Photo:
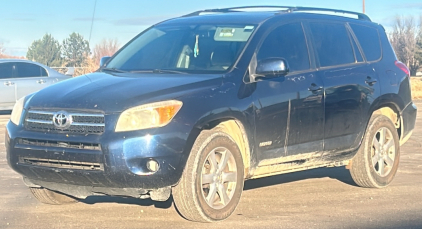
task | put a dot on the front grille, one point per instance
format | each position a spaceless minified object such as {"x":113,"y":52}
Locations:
{"x":61,"y":164}
{"x":81,"y":123}
{"x":60,"y":144}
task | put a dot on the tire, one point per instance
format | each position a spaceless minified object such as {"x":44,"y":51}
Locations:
{"x":377,"y":160}
{"x":50,"y":197}
{"x":213,"y":179}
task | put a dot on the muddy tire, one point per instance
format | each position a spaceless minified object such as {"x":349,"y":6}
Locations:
{"x":212,"y":182}
{"x":377,"y":160}
{"x":50,"y":197}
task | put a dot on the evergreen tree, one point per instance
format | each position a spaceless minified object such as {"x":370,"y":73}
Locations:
{"x":75,"y":50}
{"x":46,"y":51}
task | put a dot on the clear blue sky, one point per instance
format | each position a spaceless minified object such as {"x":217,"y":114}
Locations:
{"x":23,"y":21}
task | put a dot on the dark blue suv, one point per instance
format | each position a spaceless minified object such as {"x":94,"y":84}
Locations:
{"x":195,"y":105}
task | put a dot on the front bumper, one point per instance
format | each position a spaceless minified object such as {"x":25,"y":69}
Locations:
{"x":112,"y":161}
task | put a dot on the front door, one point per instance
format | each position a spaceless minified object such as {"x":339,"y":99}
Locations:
{"x":289,"y":109}
{"x":7,"y":86}
{"x":31,"y":78}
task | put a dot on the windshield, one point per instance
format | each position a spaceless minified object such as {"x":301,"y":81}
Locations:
{"x":184,"y":48}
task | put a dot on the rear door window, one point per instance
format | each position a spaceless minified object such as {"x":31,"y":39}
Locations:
{"x":332,"y":44}
{"x":288,"y":42}
{"x":369,"y":41}
{"x":30,"y":70}
{"x":6,"y":70}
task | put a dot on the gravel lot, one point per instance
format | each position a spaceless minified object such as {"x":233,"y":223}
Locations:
{"x":319,"y":198}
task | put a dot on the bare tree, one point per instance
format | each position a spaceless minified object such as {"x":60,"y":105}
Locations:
{"x":404,"y":39}
{"x":107,"y":47}
{"x":87,"y":66}
{"x":419,"y":43}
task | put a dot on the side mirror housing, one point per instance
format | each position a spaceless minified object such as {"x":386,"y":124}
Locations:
{"x":272,"y":67}
{"x":104,"y":60}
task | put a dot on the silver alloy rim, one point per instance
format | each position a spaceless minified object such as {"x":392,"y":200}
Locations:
{"x":383,"y":152}
{"x":219,"y":178}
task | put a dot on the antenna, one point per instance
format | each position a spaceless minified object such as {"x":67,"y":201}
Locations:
{"x":92,"y":22}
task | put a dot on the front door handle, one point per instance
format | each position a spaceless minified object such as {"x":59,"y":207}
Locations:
{"x":370,"y":81}
{"x":41,"y":81}
{"x":8,"y":83}
{"x":314,"y":88}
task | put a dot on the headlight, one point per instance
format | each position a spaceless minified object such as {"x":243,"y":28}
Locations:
{"x":148,"y":116}
{"x":17,"y":111}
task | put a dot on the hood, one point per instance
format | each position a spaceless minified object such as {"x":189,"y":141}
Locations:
{"x":116,"y":92}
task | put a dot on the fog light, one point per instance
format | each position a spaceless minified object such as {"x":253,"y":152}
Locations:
{"x":153,"y":166}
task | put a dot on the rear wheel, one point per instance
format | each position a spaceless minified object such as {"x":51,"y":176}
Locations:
{"x":212,"y":181}
{"x":51,"y":197}
{"x":377,"y":160}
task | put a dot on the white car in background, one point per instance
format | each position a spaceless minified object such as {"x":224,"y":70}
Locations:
{"x":19,"y":78}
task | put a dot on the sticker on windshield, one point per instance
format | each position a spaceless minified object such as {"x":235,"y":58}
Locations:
{"x":227,"y":32}
{"x":241,"y":34}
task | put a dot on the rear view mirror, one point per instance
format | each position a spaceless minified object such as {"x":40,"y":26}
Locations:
{"x":272,"y":67}
{"x":104,"y":60}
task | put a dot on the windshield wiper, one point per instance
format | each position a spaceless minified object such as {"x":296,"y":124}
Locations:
{"x":159,"y":71}
{"x":112,"y":70}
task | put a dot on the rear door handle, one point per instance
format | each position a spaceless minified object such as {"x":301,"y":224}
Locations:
{"x":41,"y":81}
{"x":8,"y":83}
{"x":314,"y":88}
{"x":370,"y":81}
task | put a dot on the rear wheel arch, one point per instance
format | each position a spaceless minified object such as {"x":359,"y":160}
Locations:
{"x":391,"y":111}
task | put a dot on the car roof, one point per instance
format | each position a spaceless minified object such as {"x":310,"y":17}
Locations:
{"x":17,"y":60}
{"x":20,"y":60}
{"x":230,"y":16}
{"x":23,"y":61}
{"x":50,"y":70}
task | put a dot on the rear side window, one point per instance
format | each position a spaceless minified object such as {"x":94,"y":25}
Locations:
{"x":332,"y":44}
{"x":6,"y":70}
{"x":369,"y":41}
{"x":30,"y":70}
{"x":288,"y":42}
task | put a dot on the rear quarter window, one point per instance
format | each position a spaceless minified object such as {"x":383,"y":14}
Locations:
{"x":369,"y":41}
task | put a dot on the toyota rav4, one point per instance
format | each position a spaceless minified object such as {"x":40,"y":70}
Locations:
{"x":193,"y":106}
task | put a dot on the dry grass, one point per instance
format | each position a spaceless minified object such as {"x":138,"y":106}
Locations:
{"x":416,"y":83}
{"x":87,"y":67}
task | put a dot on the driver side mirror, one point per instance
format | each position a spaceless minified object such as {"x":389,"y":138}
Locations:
{"x":104,"y":60}
{"x":272,"y":67}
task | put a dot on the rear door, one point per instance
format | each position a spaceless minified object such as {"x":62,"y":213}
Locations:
{"x":350,"y":86}
{"x":7,"y":85}
{"x":30,"y":78}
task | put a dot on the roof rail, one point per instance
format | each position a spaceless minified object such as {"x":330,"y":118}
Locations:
{"x":287,"y":9}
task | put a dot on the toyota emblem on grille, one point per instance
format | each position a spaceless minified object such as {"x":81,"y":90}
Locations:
{"x":62,"y":120}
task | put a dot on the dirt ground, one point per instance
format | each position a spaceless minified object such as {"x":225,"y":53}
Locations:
{"x":319,"y":198}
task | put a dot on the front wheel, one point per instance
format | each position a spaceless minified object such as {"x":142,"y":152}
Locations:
{"x":213,"y":179}
{"x":377,"y":160}
{"x":51,"y":197}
